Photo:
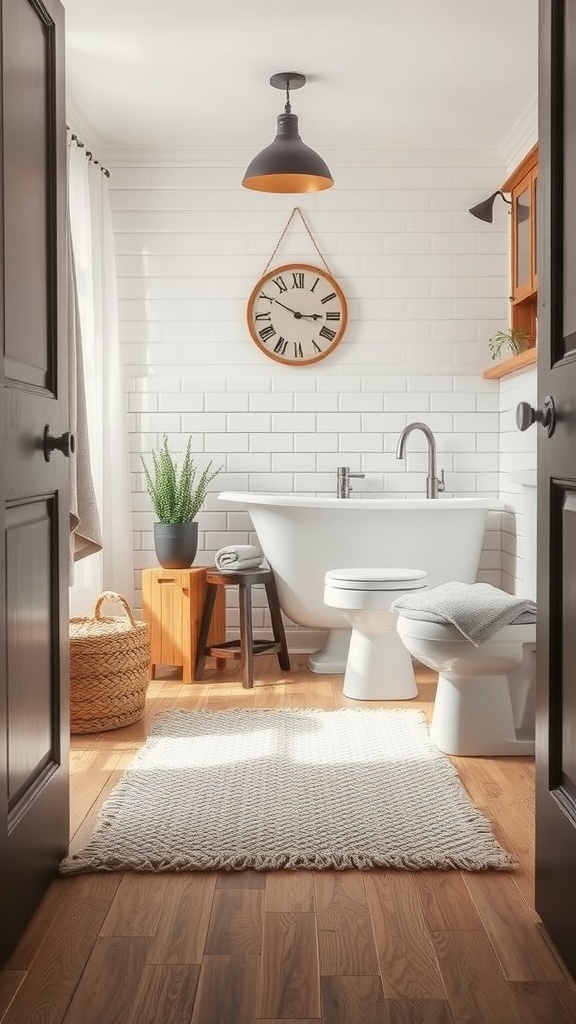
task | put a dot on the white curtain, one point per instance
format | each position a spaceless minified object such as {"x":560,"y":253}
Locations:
{"x":94,"y":260}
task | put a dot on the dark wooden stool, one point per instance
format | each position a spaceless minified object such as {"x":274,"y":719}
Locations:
{"x":246,"y":647}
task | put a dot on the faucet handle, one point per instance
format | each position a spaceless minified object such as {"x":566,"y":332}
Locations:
{"x":440,"y":481}
{"x":356,"y":476}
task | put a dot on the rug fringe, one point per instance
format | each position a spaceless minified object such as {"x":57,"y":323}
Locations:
{"x":292,"y":862}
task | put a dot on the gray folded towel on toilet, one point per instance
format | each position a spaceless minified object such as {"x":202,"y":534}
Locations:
{"x":234,"y":557}
{"x":478,"y":610}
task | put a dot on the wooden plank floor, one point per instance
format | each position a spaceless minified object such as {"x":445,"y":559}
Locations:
{"x":377,"y":947}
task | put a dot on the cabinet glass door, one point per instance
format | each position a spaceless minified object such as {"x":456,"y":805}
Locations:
{"x":534,"y":223}
{"x":522,"y":220}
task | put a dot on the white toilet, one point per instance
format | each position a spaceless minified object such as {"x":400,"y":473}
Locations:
{"x":485,"y":696}
{"x":378,"y":666}
{"x":485,"y":699}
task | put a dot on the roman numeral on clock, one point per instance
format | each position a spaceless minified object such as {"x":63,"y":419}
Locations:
{"x":332,"y":316}
{"x":328,"y":298}
{"x":327,"y":333}
{"x":316,"y":347}
{"x":298,"y":353}
{"x":262,"y":316}
{"x":267,"y":297}
{"x":281,"y":346}
{"x":267,"y":332}
{"x":298,"y":280}
{"x":280,"y":284}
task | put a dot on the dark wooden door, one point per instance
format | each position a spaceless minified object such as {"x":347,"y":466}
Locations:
{"x":34,"y":502}
{"x":556,"y":630}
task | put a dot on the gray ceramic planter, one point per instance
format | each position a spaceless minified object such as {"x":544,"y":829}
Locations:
{"x":176,"y":544}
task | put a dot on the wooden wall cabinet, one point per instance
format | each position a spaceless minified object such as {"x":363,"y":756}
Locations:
{"x":522,"y":186}
{"x":524,"y":268}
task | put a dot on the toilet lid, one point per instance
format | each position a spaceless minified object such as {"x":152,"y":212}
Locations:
{"x":445,"y":632}
{"x":376,"y":579}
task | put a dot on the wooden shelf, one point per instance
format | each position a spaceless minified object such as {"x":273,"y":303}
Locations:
{"x":506,"y":366}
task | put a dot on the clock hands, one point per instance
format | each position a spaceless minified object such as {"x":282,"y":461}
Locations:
{"x":286,"y":307}
{"x":300,"y":316}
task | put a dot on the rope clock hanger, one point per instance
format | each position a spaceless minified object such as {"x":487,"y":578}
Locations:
{"x":297,"y":312}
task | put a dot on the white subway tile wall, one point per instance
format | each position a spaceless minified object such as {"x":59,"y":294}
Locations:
{"x":426,"y":285}
{"x":517,"y":455}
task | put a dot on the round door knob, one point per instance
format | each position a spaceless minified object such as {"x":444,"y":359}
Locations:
{"x":526,"y":415}
{"x":65,"y":444}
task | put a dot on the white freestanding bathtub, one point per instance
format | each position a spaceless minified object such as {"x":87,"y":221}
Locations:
{"x":303,"y":537}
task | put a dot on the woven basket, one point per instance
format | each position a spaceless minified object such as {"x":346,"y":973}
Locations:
{"x":109,"y":668}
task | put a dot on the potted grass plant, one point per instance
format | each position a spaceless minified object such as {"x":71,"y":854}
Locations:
{"x":177,"y":496}
{"x":509,"y":343}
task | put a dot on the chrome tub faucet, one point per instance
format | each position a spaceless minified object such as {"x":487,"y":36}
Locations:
{"x":433,"y":483}
{"x":343,"y":483}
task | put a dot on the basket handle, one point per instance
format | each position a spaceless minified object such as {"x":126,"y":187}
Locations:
{"x":111,"y":595}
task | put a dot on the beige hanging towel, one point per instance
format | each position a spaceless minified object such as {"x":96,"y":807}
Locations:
{"x":85,"y":530}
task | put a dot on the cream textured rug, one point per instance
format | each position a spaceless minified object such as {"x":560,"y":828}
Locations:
{"x":289,"y":789}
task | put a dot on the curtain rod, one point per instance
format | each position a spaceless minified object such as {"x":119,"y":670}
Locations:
{"x":82,"y":145}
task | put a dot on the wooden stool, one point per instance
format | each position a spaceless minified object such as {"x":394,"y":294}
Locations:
{"x":246,"y":647}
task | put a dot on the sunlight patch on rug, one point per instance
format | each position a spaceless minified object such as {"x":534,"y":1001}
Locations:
{"x":289,"y":789}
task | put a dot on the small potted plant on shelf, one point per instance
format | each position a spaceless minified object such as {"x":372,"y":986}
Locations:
{"x":509,"y":343}
{"x":176,"y":499}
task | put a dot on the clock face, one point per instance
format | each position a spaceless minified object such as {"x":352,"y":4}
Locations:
{"x":297,"y":314}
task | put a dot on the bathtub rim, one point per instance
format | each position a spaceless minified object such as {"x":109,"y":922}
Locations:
{"x":277,"y":500}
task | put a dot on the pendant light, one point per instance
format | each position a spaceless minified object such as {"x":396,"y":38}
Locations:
{"x":287,"y":164}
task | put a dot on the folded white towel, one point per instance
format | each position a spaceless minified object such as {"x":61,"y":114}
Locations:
{"x":478,"y":610}
{"x":239,"y":556}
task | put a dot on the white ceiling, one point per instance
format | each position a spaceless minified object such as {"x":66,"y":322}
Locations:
{"x":395,"y":73}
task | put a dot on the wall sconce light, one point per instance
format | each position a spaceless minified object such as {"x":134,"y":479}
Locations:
{"x":484,"y":210}
{"x":287,"y":164}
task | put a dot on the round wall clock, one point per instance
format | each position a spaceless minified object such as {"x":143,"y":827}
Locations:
{"x":297,"y":314}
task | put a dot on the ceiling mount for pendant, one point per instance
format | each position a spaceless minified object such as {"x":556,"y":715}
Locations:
{"x":287,"y":164}
{"x":288,"y":80}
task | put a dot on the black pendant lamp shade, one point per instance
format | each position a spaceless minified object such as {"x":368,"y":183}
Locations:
{"x":287,"y":164}
{"x":485,"y":210}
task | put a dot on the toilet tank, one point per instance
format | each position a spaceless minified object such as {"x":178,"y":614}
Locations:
{"x":527,"y":543}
